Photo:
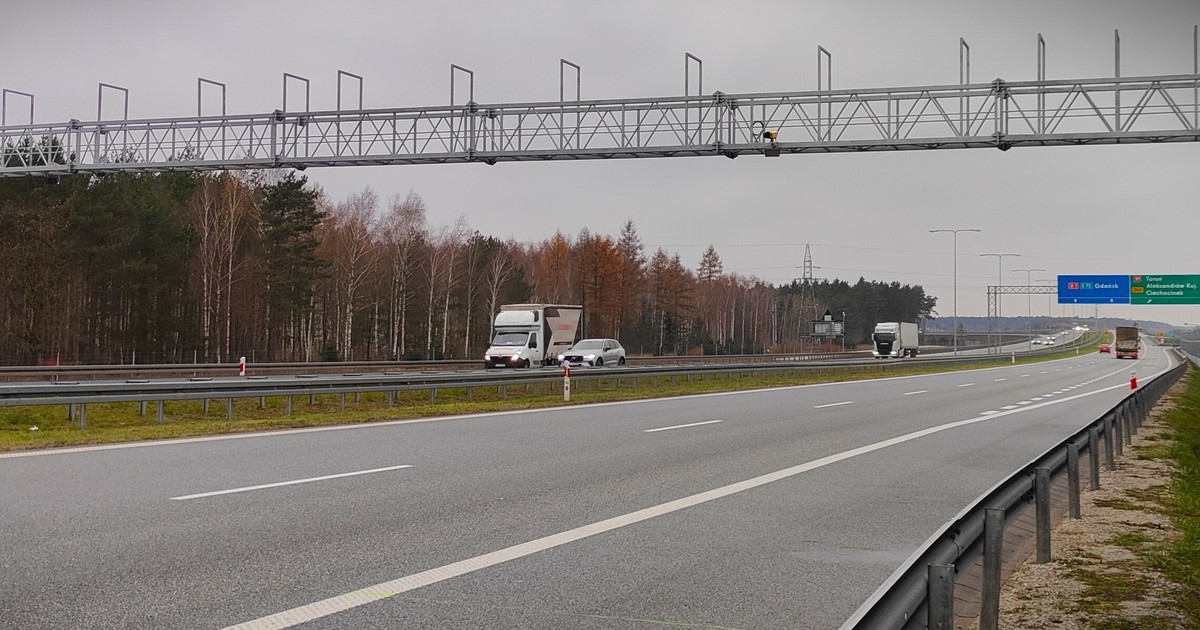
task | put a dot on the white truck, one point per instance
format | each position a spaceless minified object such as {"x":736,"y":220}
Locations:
{"x":895,"y":340}
{"x":525,"y":335}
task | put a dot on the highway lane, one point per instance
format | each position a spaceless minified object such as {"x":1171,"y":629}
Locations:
{"x":802,"y":551}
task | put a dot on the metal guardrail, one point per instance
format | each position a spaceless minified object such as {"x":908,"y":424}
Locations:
{"x":76,"y":395}
{"x":921,"y":594}
{"x":145,"y":370}
{"x":56,"y":372}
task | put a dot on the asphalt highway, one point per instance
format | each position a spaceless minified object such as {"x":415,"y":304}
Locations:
{"x":783,"y":508}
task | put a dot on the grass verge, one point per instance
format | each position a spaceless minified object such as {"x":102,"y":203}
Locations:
{"x":1181,"y":561}
{"x":24,"y":428}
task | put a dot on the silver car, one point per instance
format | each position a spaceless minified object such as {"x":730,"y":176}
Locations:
{"x":595,"y":352}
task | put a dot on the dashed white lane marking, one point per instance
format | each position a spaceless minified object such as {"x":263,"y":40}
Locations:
{"x":1024,"y":402}
{"x":919,"y":391}
{"x":288,"y":483}
{"x":681,"y":426}
{"x":988,"y":413}
{"x":1038,"y":398}
{"x":1024,"y":376}
{"x":1043,"y":372}
{"x":339,"y":603}
{"x":1007,"y":407}
{"x":999,"y":379}
{"x":966,"y":384}
{"x":845,"y":402}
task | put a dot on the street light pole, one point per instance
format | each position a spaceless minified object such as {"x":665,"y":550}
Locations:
{"x":843,"y":331}
{"x":955,"y":233}
{"x":999,"y":296}
{"x":1029,"y":301}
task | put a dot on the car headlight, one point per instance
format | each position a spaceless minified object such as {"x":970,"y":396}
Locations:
{"x":589,"y":357}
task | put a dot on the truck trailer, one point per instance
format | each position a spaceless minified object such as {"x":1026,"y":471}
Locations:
{"x":524,"y":335}
{"x":1128,"y":342}
{"x":894,"y":340}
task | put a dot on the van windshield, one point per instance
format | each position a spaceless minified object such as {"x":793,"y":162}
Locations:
{"x":510,"y":339}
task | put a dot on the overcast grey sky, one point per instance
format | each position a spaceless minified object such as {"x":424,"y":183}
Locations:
{"x":1076,"y":210}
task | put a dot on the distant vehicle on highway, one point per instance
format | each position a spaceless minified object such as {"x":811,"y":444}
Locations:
{"x":895,"y":340}
{"x":531,"y":334}
{"x":1128,"y":342}
{"x":1037,"y":342}
{"x":1105,"y":348}
{"x":595,"y":352}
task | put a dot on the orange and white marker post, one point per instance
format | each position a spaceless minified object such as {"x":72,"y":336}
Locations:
{"x":566,"y":381}
{"x":1133,"y":380}
{"x":242,"y":367}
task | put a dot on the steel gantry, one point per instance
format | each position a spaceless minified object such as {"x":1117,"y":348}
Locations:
{"x":997,"y":114}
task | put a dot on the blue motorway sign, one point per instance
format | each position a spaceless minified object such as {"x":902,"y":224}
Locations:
{"x":1093,"y":289}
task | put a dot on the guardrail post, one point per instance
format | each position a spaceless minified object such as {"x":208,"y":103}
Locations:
{"x":342,"y":401}
{"x":229,"y":409}
{"x":1119,"y":426}
{"x":502,"y":390}
{"x":1130,"y":419}
{"x":470,"y":393}
{"x":993,"y":547}
{"x":940,"y":597}
{"x":433,"y":395}
{"x":391,"y":396}
{"x":71,"y":412}
{"x":141,"y":408}
{"x":357,"y":397}
{"x":1094,"y":458}
{"x":1073,"y":480}
{"x":1041,"y":490}
{"x":312,"y":399}
{"x":1109,"y":423}
{"x":262,"y":402}
{"x":161,"y":412}
{"x":204,"y":406}
{"x":289,"y":404}
{"x":82,"y":415}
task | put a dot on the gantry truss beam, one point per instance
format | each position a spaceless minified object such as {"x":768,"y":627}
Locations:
{"x":1000,"y":114}
{"x":994,"y":292}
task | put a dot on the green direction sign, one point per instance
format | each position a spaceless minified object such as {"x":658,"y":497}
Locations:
{"x":1164,"y":289}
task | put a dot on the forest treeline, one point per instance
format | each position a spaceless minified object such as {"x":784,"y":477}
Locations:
{"x":182,"y":267}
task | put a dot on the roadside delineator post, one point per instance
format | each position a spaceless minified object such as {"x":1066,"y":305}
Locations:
{"x":566,"y":381}
{"x":242,"y":367}
{"x":1133,"y":380}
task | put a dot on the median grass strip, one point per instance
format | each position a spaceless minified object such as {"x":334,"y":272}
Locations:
{"x":34,"y":427}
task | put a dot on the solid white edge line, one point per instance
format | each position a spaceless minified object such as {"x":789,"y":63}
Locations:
{"x":385,"y":590}
{"x":279,"y":484}
{"x":682,"y":426}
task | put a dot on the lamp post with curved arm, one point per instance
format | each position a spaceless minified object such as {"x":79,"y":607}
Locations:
{"x":999,"y":296}
{"x":955,"y":233}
